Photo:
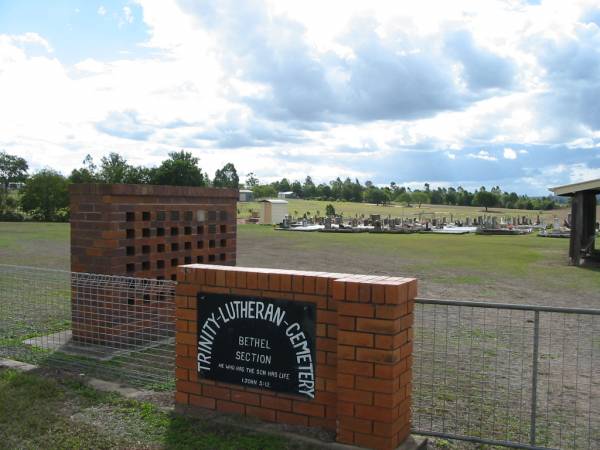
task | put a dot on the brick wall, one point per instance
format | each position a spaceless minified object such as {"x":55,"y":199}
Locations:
{"x":363,"y":351}
{"x":142,"y":231}
{"x":147,"y":231}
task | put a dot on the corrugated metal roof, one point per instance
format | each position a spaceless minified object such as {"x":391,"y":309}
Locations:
{"x":570,"y":189}
{"x":274,"y":200}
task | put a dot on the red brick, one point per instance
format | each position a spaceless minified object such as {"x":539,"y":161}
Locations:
{"x":181,"y":374}
{"x":229,"y":407}
{"x":182,"y":398}
{"x":345,"y":408}
{"x":181,"y":325}
{"x":352,"y":291}
{"x":369,"y":383}
{"x":391,"y":311}
{"x":356,"y":424}
{"x":282,"y":404}
{"x":267,"y":415}
{"x":245,"y":397}
{"x":185,"y":338}
{"x":377,"y":355}
{"x":309,"y":409}
{"x":186,"y":363}
{"x":252,"y":280}
{"x":355,"y":338}
{"x":346,"y":352}
{"x":376,"y":413}
{"x":356,"y":309}
{"x":181,"y":349}
{"x":217,"y":392}
{"x":188,"y":386}
{"x":356,"y":396}
{"x":345,"y":380}
{"x":187,"y":314}
{"x":355,"y":368}
{"x":202,"y":402}
{"x":345,"y":436}
{"x":339,"y":290}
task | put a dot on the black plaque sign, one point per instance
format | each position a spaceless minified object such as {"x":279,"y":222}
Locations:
{"x":257,"y":342}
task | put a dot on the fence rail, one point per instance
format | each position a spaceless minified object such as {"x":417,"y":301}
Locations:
{"x":520,"y":376}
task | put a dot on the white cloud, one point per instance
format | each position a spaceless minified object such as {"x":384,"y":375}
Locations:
{"x":185,"y":95}
{"x":127,"y":16}
{"x":484,"y":155}
{"x":27,"y":38}
{"x":509,"y":153}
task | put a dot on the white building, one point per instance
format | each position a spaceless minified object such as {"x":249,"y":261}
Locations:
{"x":286,"y":194}
{"x":246,"y":195}
{"x":273,"y":211}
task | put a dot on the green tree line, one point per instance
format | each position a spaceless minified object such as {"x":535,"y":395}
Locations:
{"x":354,"y":191}
{"x":45,"y":194}
{"x":45,"y":197}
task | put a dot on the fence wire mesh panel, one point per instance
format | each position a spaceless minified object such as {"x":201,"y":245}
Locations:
{"x":107,"y":326}
{"x":525,"y":377}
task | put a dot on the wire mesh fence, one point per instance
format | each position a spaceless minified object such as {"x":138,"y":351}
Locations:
{"x":512,"y":375}
{"x":107,"y":326}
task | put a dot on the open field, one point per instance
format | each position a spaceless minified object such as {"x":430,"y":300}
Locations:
{"x":523,"y":269}
{"x":351,"y":209}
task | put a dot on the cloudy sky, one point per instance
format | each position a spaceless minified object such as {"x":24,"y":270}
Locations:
{"x":474,"y":93}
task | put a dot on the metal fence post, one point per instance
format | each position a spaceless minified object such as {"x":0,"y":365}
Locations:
{"x":536,"y":341}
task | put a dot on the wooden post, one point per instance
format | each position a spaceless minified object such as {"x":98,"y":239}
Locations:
{"x":577,"y":226}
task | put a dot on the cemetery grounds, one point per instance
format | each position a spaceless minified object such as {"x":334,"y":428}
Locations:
{"x":507,"y":269}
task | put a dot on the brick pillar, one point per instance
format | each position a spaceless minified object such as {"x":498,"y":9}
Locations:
{"x":374,"y":351}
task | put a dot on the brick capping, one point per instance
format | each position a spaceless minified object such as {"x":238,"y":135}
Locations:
{"x":363,"y":351}
{"x":151,"y":190}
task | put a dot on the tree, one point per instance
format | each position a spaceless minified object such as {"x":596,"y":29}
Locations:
{"x":329,"y":210}
{"x":375,"y":195}
{"x":297,"y":189}
{"x":180,"y":169}
{"x":12,"y":169}
{"x":227,"y":177}
{"x":264,"y":191}
{"x":113,"y":168}
{"x":419,"y":197}
{"x":251,"y":180}
{"x":309,"y":189}
{"x":45,"y":194}
{"x":404,"y":197}
{"x":485,"y":198}
{"x":87,"y":174}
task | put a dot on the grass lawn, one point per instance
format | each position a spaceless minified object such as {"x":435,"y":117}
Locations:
{"x":35,"y":244}
{"x":525,"y":269}
{"x":351,"y":209}
{"x":37,"y":411}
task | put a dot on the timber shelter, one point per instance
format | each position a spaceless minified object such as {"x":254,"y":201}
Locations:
{"x":583,"y":219}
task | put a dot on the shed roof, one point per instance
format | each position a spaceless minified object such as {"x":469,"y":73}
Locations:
{"x":274,"y":200}
{"x":570,"y":189}
{"x":245,"y":191}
